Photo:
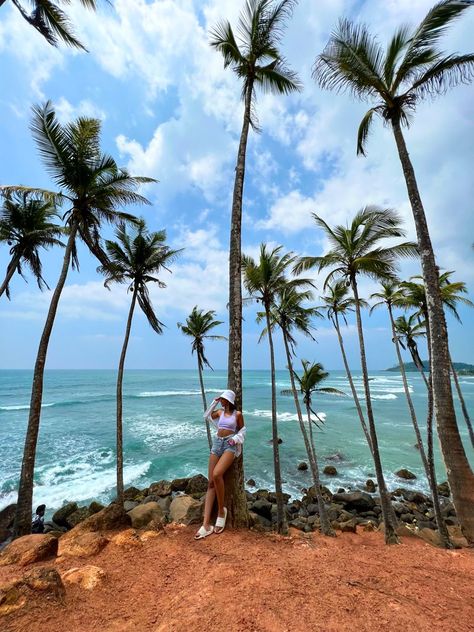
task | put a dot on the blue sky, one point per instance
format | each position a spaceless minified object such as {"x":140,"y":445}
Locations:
{"x":171,"y":111}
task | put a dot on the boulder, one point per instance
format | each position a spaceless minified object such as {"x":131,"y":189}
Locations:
{"x":416,"y":497}
{"x":370,"y":486}
{"x":355,"y":500}
{"x":111,"y":517}
{"x":312,"y":508}
{"x":128,"y":537}
{"x":14,"y":595}
{"x":348,"y":527}
{"x":77,"y":516}
{"x":325,"y":491}
{"x":251,"y":483}
{"x":60,"y":516}
{"x":77,"y":544}
{"x":272,"y":497}
{"x":95,"y":507}
{"x":161,"y":488}
{"x":131,"y":493}
{"x":179,"y":484}
{"x":430,"y":536}
{"x":186,"y":510}
{"x":443,"y":489}
{"x":197,"y":485}
{"x":302,"y":466}
{"x":299,"y":523}
{"x":142,"y":515}
{"x":330,"y":470}
{"x":457,"y":537}
{"x":263,"y":508}
{"x":87,"y":577}
{"x":29,"y":549}
{"x":165,"y":504}
{"x":128,"y":505}
{"x":7,"y":516}
{"x":405,"y":474}
{"x":55,"y":529}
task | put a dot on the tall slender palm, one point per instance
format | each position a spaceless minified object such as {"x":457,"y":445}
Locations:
{"x":337,"y":304}
{"x":198,"y":325}
{"x":49,"y":19}
{"x":391,"y":296}
{"x":292,"y":316}
{"x":135,"y":259}
{"x":263,"y":280}
{"x":356,"y":250}
{"x":309,"y":384}
{"x":26,"y":225}
{"x":94,"y":187}
{"x":410,"y":69}
{"x":408,"y":330}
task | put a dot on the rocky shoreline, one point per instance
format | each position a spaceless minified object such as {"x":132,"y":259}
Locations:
{"x":182,"y":501}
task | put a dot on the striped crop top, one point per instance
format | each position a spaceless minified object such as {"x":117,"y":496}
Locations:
{"x":227,"y":423}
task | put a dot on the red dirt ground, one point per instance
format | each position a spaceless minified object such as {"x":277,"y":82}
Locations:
{"x":252,"y":582}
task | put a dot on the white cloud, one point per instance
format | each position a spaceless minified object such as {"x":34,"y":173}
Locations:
{"x":290,"y":213}
{"x":66,"y":111}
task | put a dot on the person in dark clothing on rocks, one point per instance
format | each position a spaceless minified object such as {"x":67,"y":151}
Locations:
{"x":37,"y":525}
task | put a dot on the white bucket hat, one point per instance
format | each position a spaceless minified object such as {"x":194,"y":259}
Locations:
{"x":229,"y":396}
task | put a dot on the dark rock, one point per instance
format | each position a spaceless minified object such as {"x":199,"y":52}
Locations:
{"x":368,"y":514}
{"x":293,"y":508}
{"x":314,"y":521}
{"x":399,"y":508}
{"x":262,"y":493}
{"x":406,"y":474}
{"x":303,"y":466}
{"x":60,"y":516}
{"x":77,"y":516}
{"x":330,"y":470}
{"x":443,"y":489}
{"x":272,"y":497}
{"x":397,"y":492}
{"x":448,"y":510}
{"x":451,"y":521}
{"x":279,"y":441}
{"x":110,"y":517}
{"x":263,"y":508}
{"x":197,"y":485}
{"x":333,"y":511}
{"x":261,"y":521}
{"x":355,"y":500}
{"x":95,"y":507}
{"x":160,"y":489}
{"x":407,"y":517}
{"x":415,"y":497}
{"x":179,"y":484}
{"x":131,"y":493}
{"x":299,"y":523}
{"x":326,"y":493}
{"x":251,"y":483}
{"x":370,"y":486}
{"x":313,"y":508}
{"x":128,"y":505}
{"x":7,"y":516}
{"x":341,"y":490}
{"x":348,"y":527}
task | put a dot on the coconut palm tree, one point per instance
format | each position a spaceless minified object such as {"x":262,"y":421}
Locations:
{"x":356,"y":250}
{"x":135,"y":259}
{"x":309,"y":384}
{"x":291,"y":315}
{"x":263,"y":280}
{"x":198,"y":325}
{"x":408,"y":330}
{"x":411,"y":68}
{"x":49,"y":19}
{"x":26,"y":225}
{"x":94,"y":188}
{"x":337,"y":304}
{"x":391,"y":296}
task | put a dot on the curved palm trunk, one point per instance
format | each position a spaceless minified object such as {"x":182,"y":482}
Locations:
{"x":465,"y":412}
{"x":460,"y":474}
{"x":204,"y":402}
{"x":442,"y":530}
{"x":23,"y":515}
{"x":10,"y":272}
{"x":335,"y":322}
{"x":387,"y":512}
{"x":119,"y":401}
{"x":282,"y":527}
{"x":236,"y":501}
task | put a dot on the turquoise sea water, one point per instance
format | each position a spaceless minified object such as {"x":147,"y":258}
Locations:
{"x":165,"y":437}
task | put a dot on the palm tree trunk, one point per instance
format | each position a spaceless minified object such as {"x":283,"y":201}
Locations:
{"x":12,"y":266}
{"x":460,"y":474}
{"x":465,"y":412}
{"x":387,"y":512}
{"x":282,"y":526}
{"x":442,"y":530}
{"x":236,"y":501}
{"x":326,"y":528}
{"x":204,"y":403}
{"x":120,"y":498}
{"x":23,"y":515}
{"x":335,"y":322}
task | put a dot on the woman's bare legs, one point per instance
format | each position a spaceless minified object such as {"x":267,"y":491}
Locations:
{"x":219,"y":470}
{"x":211,"y":492}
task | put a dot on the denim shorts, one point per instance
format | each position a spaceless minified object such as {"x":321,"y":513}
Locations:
{"x":221,"y":445}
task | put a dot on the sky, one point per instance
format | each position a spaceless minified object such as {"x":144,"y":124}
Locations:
{"x":169,"y":110}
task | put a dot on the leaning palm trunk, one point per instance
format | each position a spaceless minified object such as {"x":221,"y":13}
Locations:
{"x":236,"y":500}
{"x":351,"y":381}
{"x":431,"y":476}
{"x":460,"y":474}
{"x":120,"y":498}
{"x":204,"y":402}
{"x":23,"y":515}
{"x":12,"y":266}
{"x":387,"y":512}
{"x":281,"y":518}
{"x":465,"y":412}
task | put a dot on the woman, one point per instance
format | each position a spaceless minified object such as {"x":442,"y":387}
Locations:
{"x":226,"y":446}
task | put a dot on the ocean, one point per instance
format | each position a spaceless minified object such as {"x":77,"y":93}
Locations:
{"x":165,"y":436}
